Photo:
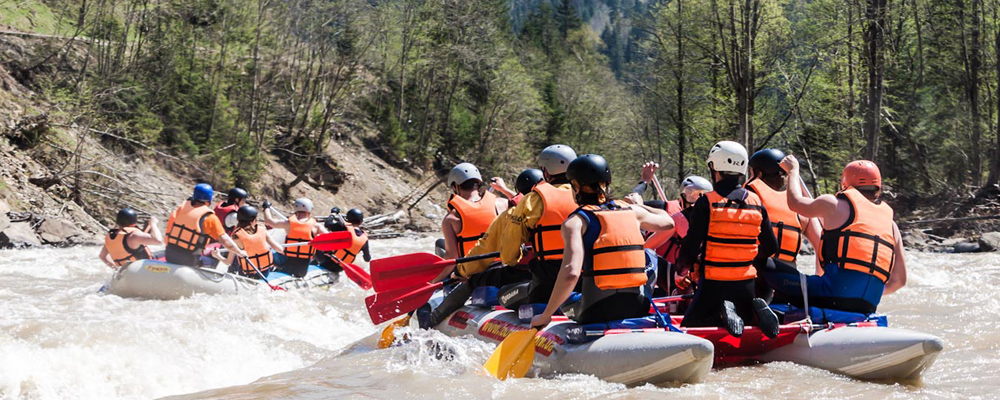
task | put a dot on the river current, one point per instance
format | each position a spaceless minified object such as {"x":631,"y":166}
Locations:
{"x":61,"y":339}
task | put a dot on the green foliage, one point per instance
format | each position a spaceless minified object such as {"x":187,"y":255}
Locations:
{"x":493,"y":81}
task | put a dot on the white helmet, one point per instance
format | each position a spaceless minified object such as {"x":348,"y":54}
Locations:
{"x":695,"y":182}
{"x":727,"y":156}
{"x":463,"y":172}
{"x":303,"y":204}
{"x":555,"y":159}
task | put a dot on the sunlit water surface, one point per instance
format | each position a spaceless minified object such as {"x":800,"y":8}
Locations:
{"x":60,"y":339}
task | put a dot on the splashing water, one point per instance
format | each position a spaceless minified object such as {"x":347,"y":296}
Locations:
{"x":60,"y":339}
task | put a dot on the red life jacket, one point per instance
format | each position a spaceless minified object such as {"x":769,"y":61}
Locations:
{"x":672,"y":248}
{"x":222,"y":211}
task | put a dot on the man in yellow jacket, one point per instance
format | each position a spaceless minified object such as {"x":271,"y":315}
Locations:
{"x":536,"y":221}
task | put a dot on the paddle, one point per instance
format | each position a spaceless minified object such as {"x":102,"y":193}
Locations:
{"x":514,"y":356}
{"x":262,"y":277}
{"x":388,"y":334}
{"x":354,"y":272}
{"x":659,"y":189}
{"x":383,"y":306}
{"x":332,"y":241}
{"x":409,"y":270}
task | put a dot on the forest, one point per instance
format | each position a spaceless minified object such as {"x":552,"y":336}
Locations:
{"x":911,"y":84}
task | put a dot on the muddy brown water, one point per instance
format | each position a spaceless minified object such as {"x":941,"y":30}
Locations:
{"x":60,"y":339}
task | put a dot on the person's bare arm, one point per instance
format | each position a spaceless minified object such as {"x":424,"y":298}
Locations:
{"x":228,"y":243}
{"x":653,"y":219}
{"x":448,"y":230}
{"x":501,"y":205}
{"x":824,"y":206}
{"x":106,"y":258}
{"x":897,"y":279}
{"x":319,"y":229}
{"x":140,"y":238}
{"x":274,"y":222}
{"x":569,"y":273}
{"x":499,"y":185}
{"x":274,"y":245}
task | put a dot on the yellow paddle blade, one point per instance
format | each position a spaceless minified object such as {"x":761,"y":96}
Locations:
{"x":514,"y":355}
{"x":388,"y":336}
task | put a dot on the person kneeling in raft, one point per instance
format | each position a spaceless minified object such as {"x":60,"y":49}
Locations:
{"x":603,"y":251}
{"x":729,"y":237}
{"x":252,"y":237}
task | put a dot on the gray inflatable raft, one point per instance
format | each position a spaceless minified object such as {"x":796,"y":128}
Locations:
{"x":660,"y":358}
{"x":151,"y":279}
{"x":870,"y":353}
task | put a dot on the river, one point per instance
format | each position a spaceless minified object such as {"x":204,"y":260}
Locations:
{"x":61,"y":339}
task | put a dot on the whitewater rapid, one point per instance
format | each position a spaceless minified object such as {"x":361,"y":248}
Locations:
{"x":61,"y":339}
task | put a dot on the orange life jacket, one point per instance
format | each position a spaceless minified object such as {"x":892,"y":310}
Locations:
{"x":731,"y":244}
{"x":476,"y":218}
{"x":186,"y":232}
{"x":616,"y":260}
{"x":299,"y":232}
{"x":557,"y":204}
{"x":672,"y":247}
{"x":784,"y":221}
{"x":116,"y":241}
{"x":222,"y":211}
{"x":258,"y":251}
{"x":349,"y":254}
{"x":866,"y":242}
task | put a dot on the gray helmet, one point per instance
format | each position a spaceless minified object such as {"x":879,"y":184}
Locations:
{"x":462,"y":173}
{"x":555,"y":159}
{"x":303,"y":204}
{"x":696,"y":182}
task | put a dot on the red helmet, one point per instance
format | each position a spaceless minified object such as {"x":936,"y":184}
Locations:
{"x":861,"y":173}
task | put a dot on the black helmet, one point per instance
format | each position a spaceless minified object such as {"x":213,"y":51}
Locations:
{"x":335,"y":210}
{"x":589,"y":169}
{"x":126,"y":217}
{"x":766,"y":161}
{"x":334,"y":223}
{"x":527,"y":180}
{"x":355,"y":216}
{"x":236,"y":193}
{"x":246,"y":214}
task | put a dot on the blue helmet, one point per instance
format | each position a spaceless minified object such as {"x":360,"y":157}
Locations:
{"x":203,"y":192}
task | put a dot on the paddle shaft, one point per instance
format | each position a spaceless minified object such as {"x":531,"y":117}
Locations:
{"x":261,"y":274}
{"x":659,"y":189}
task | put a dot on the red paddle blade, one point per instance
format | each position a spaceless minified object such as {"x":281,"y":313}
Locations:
{"x":356,"y":274}
{"x":405,"y":271}
{"x":388,"y":305}
{"x":332,"y":241}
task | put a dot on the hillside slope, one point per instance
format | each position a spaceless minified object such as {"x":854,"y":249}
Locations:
{"x":61,"y":183}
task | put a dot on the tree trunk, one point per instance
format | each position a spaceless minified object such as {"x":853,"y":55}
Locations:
{"x":679,"y":75}
{"x":875,"y":56}
{"x":995,"y":163}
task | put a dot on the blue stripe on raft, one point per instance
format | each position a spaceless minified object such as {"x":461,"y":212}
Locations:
{"x":824,"y":315}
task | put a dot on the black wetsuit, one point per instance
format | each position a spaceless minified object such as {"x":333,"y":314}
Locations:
{"x":706,"y":306}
